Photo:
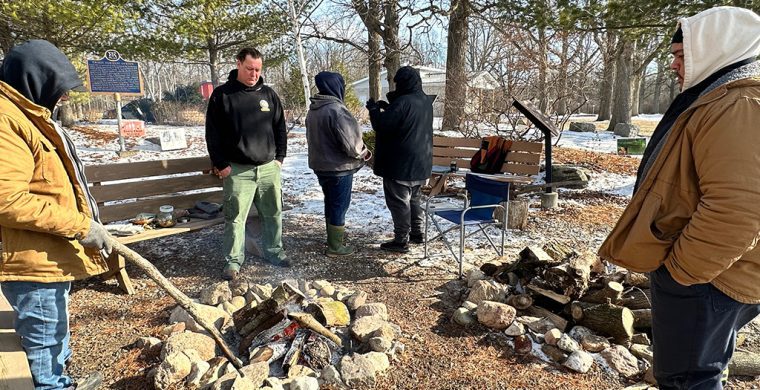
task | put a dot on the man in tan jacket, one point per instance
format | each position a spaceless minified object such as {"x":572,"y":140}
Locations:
{"x":694,"y":219}
{"x":48,"y":219}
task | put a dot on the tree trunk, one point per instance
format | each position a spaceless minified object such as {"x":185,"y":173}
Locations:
{"x":456,"y":75}
{"x":657,"y":88}
{"x":608,"y":77}
{"x":375,"y":64}
{"x":637,"y":83}
{"x":66,"y":114}
{"x":296,"y":25}
{"x":562,"y":87}
{"x":391,"y":42}
{"x":543,"y":51}
{"x":213,"y":59}
{"x":621,"y":102}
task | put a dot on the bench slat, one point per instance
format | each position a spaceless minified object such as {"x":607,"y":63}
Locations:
{"x":110,"y":172}
{"x":146,"y":188}
{"x":451,"y":154}
{"x":195,"y":224}
{"x":523,"y":146}
{"x":128,"y":210}
{"x":517,"y":169}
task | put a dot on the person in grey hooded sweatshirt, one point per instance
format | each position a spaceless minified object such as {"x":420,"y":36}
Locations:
{"x":336,"y":152}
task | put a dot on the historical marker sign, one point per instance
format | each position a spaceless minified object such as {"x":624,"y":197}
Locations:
{"x":112,"y":74}
{"x":172,"y":139}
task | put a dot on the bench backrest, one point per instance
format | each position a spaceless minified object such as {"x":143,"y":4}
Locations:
{"x":126,"y":189}
{"x":523,"y":159}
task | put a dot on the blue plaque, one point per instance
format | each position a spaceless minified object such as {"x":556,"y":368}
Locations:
{"x":112,"y":74}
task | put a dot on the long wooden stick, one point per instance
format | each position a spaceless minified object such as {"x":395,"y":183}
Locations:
{"x":178,"y":296}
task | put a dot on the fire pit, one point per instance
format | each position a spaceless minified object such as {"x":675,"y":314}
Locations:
{"x":297,"y":333}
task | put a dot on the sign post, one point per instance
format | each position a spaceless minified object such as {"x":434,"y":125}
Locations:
{"x":113,"y":75}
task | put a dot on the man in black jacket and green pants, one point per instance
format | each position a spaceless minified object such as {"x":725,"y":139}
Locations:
{"x":247,"y":142}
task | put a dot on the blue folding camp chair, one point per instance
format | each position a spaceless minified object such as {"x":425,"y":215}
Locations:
{"x":481,"y":198}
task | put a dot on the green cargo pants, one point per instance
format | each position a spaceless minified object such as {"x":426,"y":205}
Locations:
{"x":262,"y":186}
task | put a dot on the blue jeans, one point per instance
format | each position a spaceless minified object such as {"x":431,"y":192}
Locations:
{"x":42,"y":321}
{"x":693,"y":332}
{"x":337,"y":190}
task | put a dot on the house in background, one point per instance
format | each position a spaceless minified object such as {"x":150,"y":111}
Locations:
{"x":481,"y":86}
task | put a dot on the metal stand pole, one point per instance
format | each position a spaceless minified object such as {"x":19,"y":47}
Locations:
{"x":118,"y":121}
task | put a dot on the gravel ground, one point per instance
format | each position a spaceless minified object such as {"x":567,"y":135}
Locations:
{"x":420,"y":295}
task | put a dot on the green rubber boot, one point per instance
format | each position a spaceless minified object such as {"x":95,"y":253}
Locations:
{"x":335,"y":247}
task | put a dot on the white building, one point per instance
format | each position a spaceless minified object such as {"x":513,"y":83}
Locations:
{"x":434,"y":83}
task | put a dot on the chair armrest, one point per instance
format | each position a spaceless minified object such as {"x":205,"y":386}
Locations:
{"x":462,"y":195}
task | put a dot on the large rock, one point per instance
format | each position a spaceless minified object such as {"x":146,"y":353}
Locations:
{"x":579,"y":361}
{"x":233,"y":381}
{"x":218,"y":317}
{"x":515,"y":329}
{"x":562,"y":172}
{"x":263,"y":291}
{"x":486,"y":290}
{"x":331,"y":376}
{"x":304,"y":383}
{"x":552,"y":337}
{"x":582,"y":127}
{"x":643,"y":352}
{"x":620,"y":359}
{"x":594,"y":343}
{"x":626,"y":130}
{"x":216,"y":294}
{"x":567,"y":344}
{"x":356,"y":300}
{"x":174,"y":368}
{"x":474,"y":275}
{"x":239,"y":287}
{"x":555,"y":354}
{"x":149,"y":345}
{"x":256,"y":372}
{"x":197,"y":369}
{"x":361,"y":370}
{"x":362,"y":328}
{"x":463,"y":317}
{"x":577,"y":332}
{"x":372,"y":309}
{"x":178,"y":342}
{"x":218,"y":367}
{"x":496,"y":315}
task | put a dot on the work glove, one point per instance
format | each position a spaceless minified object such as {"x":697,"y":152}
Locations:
{"x":97,"y":238}
{"x":382,"y":104}
{"x":372,"y":105}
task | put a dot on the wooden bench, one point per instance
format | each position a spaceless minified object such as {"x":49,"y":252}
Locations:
{"x":124,"y":190}
{"x":14,"y":367}
{"x":522,"y":162}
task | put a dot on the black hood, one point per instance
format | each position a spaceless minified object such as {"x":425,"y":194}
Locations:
{"x":330,"y":84}
{"x":233,"y":77}
{"x":407,"y":80}
{"x":40,"y":72}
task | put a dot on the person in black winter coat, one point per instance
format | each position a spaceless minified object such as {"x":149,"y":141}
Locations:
{"x":403,"y":154}
{"x":336,"y":152}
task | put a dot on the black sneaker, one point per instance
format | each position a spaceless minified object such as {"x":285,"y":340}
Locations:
{"x":394,"y":246}
{"x":93,"y":381}
{"x":416,"y":238}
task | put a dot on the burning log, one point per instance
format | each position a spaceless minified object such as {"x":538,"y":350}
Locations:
{"x":745,"y":364}
{"x":330,"y":313}
{"x":261,"y":324}
{"x":251,"y":317}
{"x":605,"y":318}
{"x":270,"y":352}
{"x":280,"y":330}
{"x":612,"y":292}
{"x":642,"y":318}
{"x":294,"y":353}
{"x":307,"y":321}
{"x":520,"y":301}
{"x":318,"y":352}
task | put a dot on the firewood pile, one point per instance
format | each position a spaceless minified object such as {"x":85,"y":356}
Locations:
{"x":561,"y":306}
{"x":297,"y":335}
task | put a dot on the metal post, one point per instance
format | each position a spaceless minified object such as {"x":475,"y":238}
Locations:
{"x":548,"y":147}
{"x":117,"y":96}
